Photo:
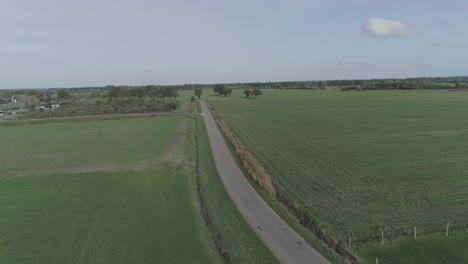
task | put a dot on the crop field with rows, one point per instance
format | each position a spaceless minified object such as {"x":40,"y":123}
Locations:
{"x":363,"y":163}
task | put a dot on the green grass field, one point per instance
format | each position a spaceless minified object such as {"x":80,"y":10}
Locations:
{"x":90,"y":146}
{"x":115,"y":191}
{"x":133,"y":217}
{"x":449,"y":250}
{"x":363,"y":162}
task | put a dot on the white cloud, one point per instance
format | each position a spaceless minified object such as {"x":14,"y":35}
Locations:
{"x":384,"y":28}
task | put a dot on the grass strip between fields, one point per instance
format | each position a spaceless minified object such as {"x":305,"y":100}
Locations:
{"x":201,"y":201}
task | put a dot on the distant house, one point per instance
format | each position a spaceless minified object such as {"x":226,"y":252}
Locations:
{"x":8,"y":100}
{"x":5,"y":100}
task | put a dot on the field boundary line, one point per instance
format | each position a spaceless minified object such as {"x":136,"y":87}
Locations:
{"x":78,"y":171}
{"x":87,"y":118}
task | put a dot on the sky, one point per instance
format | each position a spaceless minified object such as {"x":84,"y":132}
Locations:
{"x":53,"y":43}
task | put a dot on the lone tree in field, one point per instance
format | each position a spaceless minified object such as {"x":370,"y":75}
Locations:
{"x":226,"y":91}
{"x":219,"y":88}
{"x":247,"y":93}
{"x":198,"y":92}
{"x":256,"y":92}
{"x":222,"y":90}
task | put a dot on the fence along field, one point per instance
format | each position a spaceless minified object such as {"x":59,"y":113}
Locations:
{"x":114,"y":191}
{"x":362,"y":163}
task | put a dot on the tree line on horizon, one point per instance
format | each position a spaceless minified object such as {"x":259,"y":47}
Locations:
{"x":456,"y":82}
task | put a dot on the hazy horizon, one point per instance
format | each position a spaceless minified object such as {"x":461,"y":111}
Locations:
{"x":88,"y":43}
{"x":179,"y":84}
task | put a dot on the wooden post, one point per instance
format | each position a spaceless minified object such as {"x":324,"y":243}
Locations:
{"x":349,"y":242}
{"x":415,"y":232}
{"x":446,"y":232}
{"x":381,"y":241}
{"x":376,"y":260}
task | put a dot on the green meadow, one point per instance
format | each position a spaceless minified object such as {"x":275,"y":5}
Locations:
{"x":130,"y":217}
{"x":116,"y":190}
{"x":113,"y":191}
{"x":359,"y":163}
{"x":73,"y":147}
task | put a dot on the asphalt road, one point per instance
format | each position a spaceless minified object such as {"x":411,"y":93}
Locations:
{"x":282,"y":240}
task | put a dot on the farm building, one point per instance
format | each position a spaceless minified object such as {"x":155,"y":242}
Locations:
{"x":8,"y":100}
{"x":5,"y":100}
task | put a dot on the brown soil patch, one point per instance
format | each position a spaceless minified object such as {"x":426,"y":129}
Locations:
{"x":251,"y":165}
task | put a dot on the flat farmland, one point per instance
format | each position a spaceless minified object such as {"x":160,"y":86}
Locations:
{"x":115,"y":191}
{"x":132,"y":217}
{"x":360,"y":163}
{"x":73,"y":147}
